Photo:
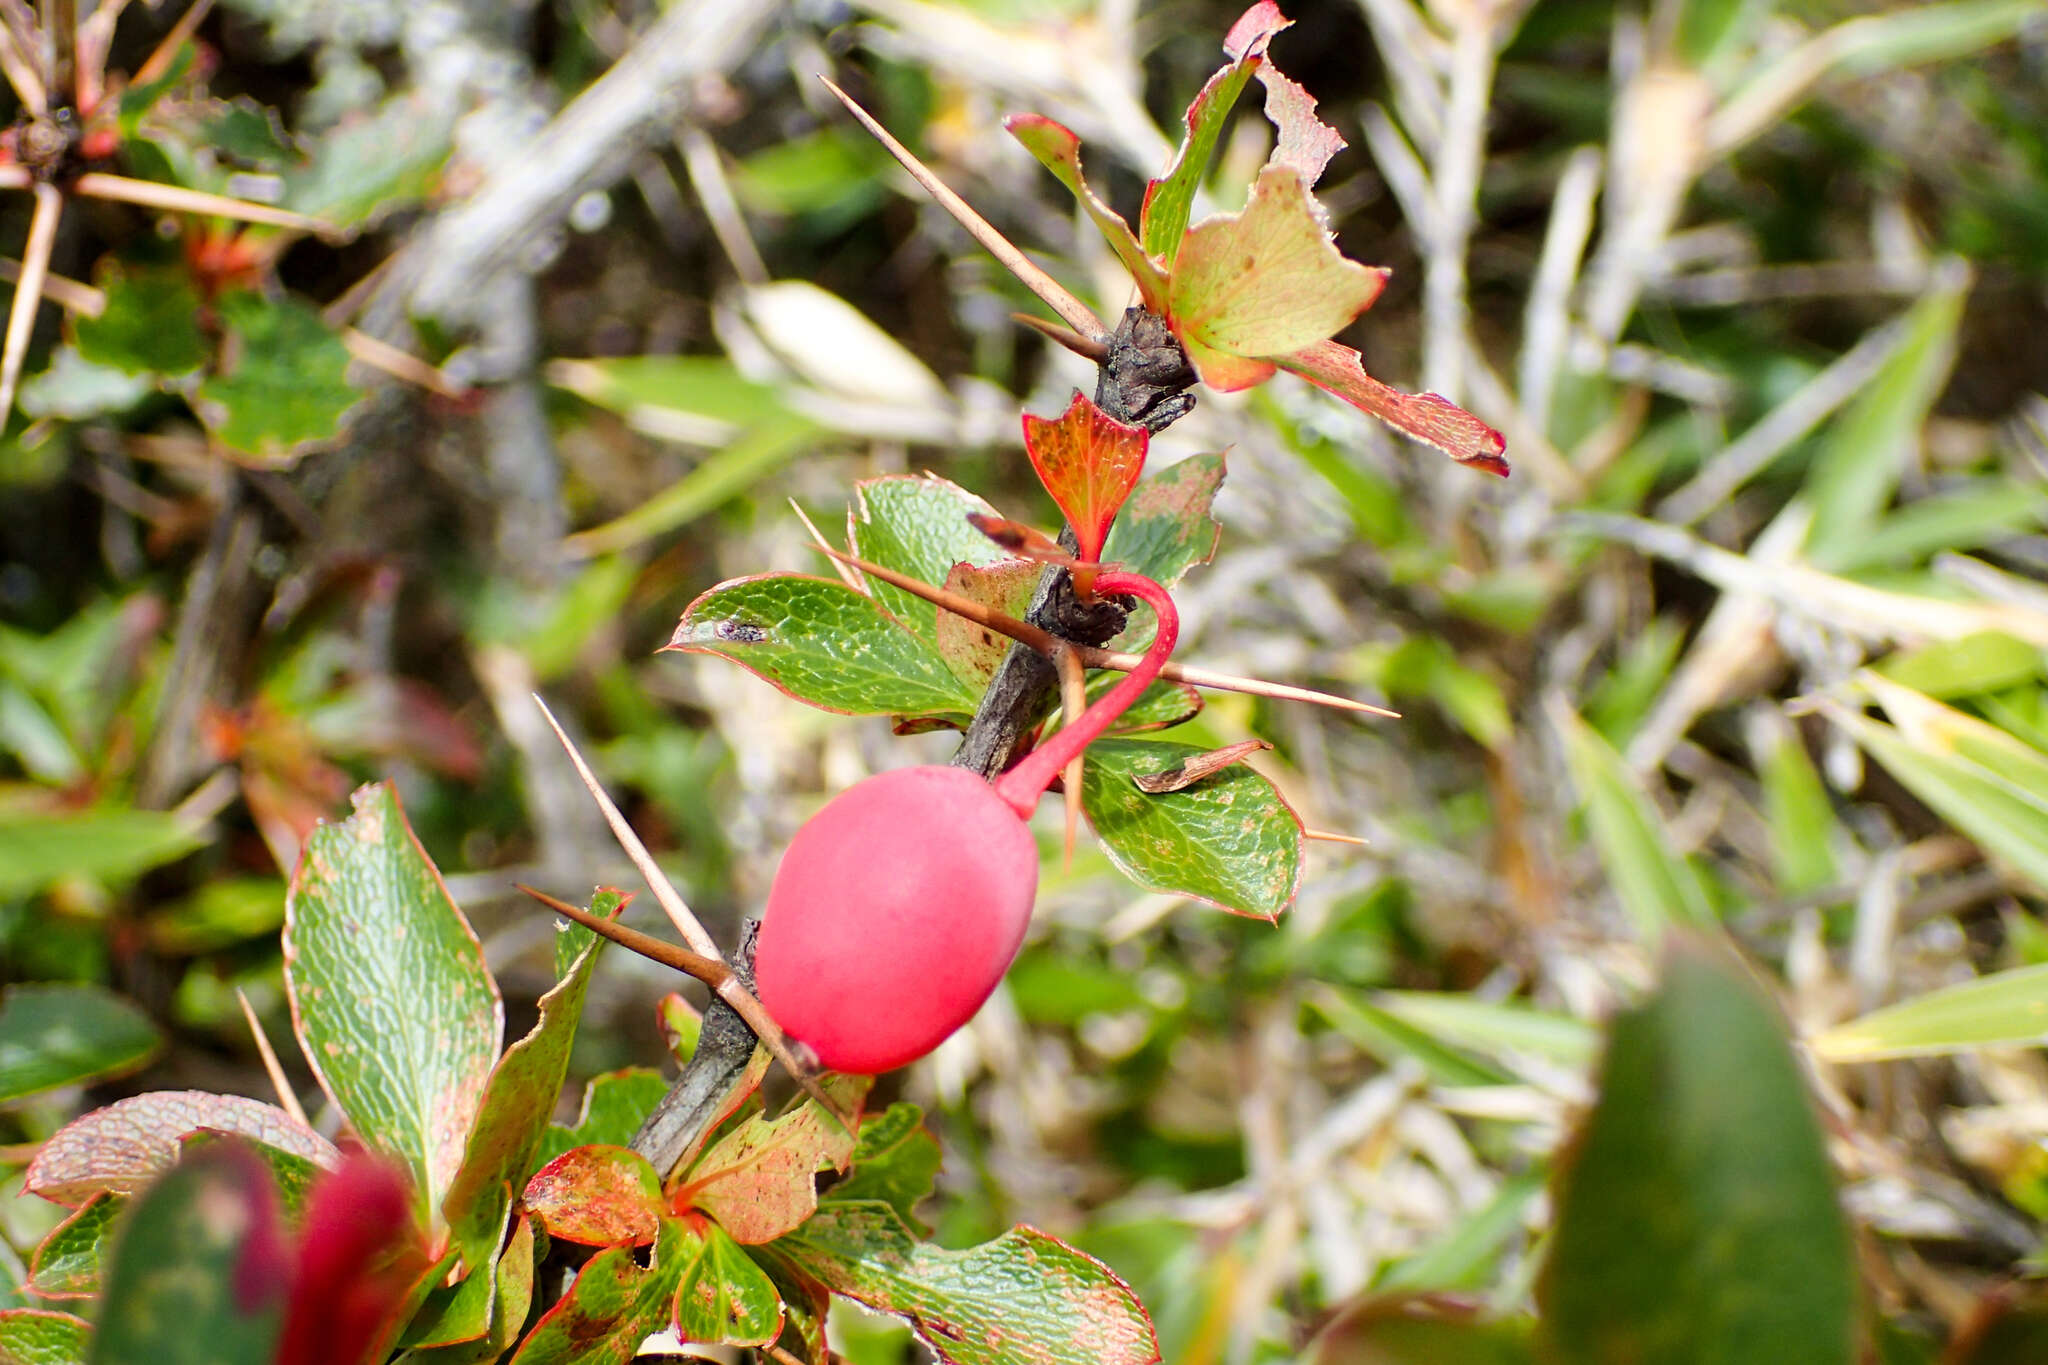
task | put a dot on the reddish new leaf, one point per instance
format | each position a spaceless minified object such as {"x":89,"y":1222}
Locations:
{"x":1250,"y":287}
{"x":1059,"y":150}
{"x":597,"y":1196}
{"x":128,"y":1144}
{"x":1089,"y":462}
{"x":760,"y":1180}
{"x":1427,"y":417}
{"x":1306,"y":143}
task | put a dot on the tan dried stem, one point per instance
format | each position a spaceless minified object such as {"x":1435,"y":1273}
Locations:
{"x":665,"y":894}
{"x":1072,"y":310}
{"x":95,"y":41}
{"x":286,"y":1100}
{"x":28,"y":291}
{"x":399,"y":363}
{"x":1045,"y":642}
{"x":20,"y":70}
{"x":75,"y":295}
{"x":1332,"y":837}
{"x":158,"y":63}
{"x":1073,"y":701}
{"x":177,"y":199}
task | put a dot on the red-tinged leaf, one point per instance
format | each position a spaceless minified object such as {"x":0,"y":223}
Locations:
{"x":760,"y":1179}
{"x":1025,"y":542}
{"x":1193,"y":768}
{"x":613,"y":1306}
{"x":1059,"y":150}
{"x":37,"y":1336}
{"x":522,"y":1093}
{"x":1428,"y":417}
{"x":1161,"y":706}
{"x":805,"y":1304}
{"x":972,"y":651}
{"x":896,"y":1162}
{"x":361,"y":1254}
{"x":1170,"y":200}
{"x":613,"y":1106}
{"x":128,"y":1144}
{"x":722,"y":1297}
{"x":69,"y":1262}
{"x":1089,"y":462}
{"x":394,"y":1008}
{"x":1263,"y":283}
{"x":1166,"y":527}
{"x":597,"y":1196}
{"x":1305,"y":142}
{"x":1023,"y":1299}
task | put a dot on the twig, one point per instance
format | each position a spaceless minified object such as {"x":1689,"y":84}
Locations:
{"x":177,"y":199}
{"x":28,"y":292}
{"x":1075,"y":313}
{"x":62,"y":290}
{"x":730,"y":991}
{"x":286,"y":1099}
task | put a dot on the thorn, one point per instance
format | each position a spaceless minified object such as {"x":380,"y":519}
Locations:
{"x":21,"y":72}
{"x":1075,"y":312}
{"x":286,"y":1100}
{"x":1332,"y":837}
{"x":61,"y":290}
{"x":177,"y":199}
{"x":35,"y":264}
{"x":847,"y":575}
{"x":1085,"y":347}
{"x":709,"y":970}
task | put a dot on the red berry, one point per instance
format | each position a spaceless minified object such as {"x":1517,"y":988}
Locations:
{"x":896,"y":910}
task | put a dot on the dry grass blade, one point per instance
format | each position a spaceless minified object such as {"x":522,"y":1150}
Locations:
{"x":1045,"y":642}
{"x":28,"y":292}
{"x":176,"y":199}
{"x":730,"y":991}
{"x":286,"y":1100}
{"x":712,"y":971}
{"x":1075,"y":312}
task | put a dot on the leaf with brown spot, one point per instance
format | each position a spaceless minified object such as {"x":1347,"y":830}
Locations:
{"x":722,"y":1298}
{"x":1428,"y":417}
{"x":972,"y":651}
{"x":128,"y":1144}
{"x":597,"y":1196}
{"x":759,"y":1180}
{"x":613,"y":1306}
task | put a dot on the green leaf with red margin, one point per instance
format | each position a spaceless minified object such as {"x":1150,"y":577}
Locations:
{"x":760,"y":1179}
{"x":974,"y":652}
{"x":1059,"y":151}
{"x":39,"y":1336}
{"x":1229,"y":839}
{"x":284,"y":386}
{"x":512,"y":1296}
{"x":1170,"y":200}
{"x":896,"y":1162}
{"x":1166,"y":527}
{"x":54,"y":1035}
{"x":522,"y":1092}
{"x":723,"y":1298}
{"x":1022,"y":1299}
{"x":128,"y":1144}
{"x":1428,"y":417}
{"x":805,"y":1306}
{"x":458,"y":1314}
{"x":1263,"y":283}
{"x":69,"y":1262}
{"x":1159,"y":707}
{"x":394,"y":1008}
{"x":1089,"y":462}
{"x":824,"y":644}
{"x":1696,"y":1213}
{"x":1305,"y":142}
{"x":201,"y":1271}
{"x":597,"y":1196}
{"x":614,"y":1105}
{"x":613,"y":1306}
{"x":919,"y":527}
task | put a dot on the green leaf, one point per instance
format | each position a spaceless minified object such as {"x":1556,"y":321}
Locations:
{"x":196,"y":1278}
{"x":1385,"y":1037}
{"x":1985,"y":662}
{"x":394,"y":1008}
{"x":1059,"y":151}
{"x":1024,"y":1297}
{"x":124,"y":1147}
{"x":1166,"y":527}
{"x":1420,"y":1331}
{"x":218,"y":914}
{"x":1964,"y":519}
{"x":1463,"y":1256}
{"x":613,"y":1106}
{"x":919,"y":527}
{"x":1709,"y":30}
{"x":759,"y":1178}
{"x":512,"y":1297}
{"x":895,"y":1162}
{"x":597,"y":1196}
{"x":2004,"y":1009}
{"x":150,"y":324}
{"x":1229,"y":839}
{"x":1089,"y":462}
{"x":612,"y":1307}
{"x":723,"y":1298}
{"x":70,"y":1261}
{"x":1857,"y":467}
{"x":54,"y":1035}
{"x":284,"y":387}
{"x":109,"y":845}
{"x":522,"y":1091}
{"x":37,"y":1336}
{"x":1265,"y":282}
{"x":371,"y":164}
{"x":1797,"y":810}
{"x":1697,"y":1221}
{"x":700,"y":399}
{"x":1659,"y":889}
{"x":459,"y":1314}
{"x":1170,"y":200}
{"x":1159,"y":707}
{"x":292,"y":1174}
{"x":753,"y":455}
{"x":1494,"y":1028}
{"x":823,"y":644}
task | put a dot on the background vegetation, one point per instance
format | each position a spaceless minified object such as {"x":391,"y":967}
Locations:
{"x":1755,"y":291}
